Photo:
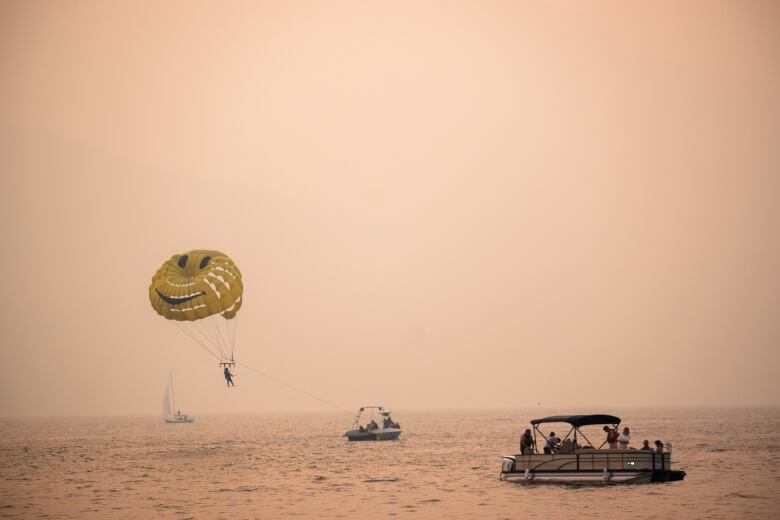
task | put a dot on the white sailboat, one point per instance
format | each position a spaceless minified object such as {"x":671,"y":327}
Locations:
{"x":169,"y":405}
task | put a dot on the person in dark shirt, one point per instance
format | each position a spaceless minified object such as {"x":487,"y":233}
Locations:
{"x":526,"y":443}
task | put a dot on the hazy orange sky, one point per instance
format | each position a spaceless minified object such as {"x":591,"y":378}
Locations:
{"x":433,"y":204}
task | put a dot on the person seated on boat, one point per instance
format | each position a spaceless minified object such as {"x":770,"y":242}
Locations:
{"x":624,"y":438}
{"x":362,"y":429}
{"x":659,"y":447}
{"x":612,"y":437}
{"x":526,"y":443}
{"x":229,"y":377}
{"x":373,"y":425}
{"x":646,"y":446}
{"x":551,"y":444}
{"x":567,"y":446}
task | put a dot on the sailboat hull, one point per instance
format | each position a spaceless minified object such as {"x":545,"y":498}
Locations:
{"x":180,"y":421}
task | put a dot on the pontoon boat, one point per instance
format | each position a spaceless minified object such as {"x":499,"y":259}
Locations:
{"x":580,"y":463}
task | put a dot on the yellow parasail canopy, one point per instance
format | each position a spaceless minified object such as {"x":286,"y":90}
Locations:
{"x":196,"y":285}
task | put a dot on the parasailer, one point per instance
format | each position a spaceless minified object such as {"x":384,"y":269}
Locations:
{"x":201,"y":292}
{"x":229,"y":377}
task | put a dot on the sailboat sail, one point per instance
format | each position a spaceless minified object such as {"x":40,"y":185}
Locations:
{"x":167,"y":408}
{"x":171,"y":414}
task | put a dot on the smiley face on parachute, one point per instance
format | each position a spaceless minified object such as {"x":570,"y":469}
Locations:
{"x":195,"y":285}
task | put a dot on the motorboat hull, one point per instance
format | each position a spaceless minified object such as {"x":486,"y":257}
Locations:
{"x":383,"y":434}
{"x":591,"y":466}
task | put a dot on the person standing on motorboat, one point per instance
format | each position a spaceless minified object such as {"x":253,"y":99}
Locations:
{"x":659,"y":447}
{"x":551,"y":444}
{"x":624,"y":438}
{"x":526,"y":442}
{"x":646,"y":446}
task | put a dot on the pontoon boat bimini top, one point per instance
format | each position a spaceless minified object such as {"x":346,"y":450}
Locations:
{"x":579,"y":420}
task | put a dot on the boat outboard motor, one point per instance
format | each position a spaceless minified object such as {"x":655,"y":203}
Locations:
{"x":508,"y":465}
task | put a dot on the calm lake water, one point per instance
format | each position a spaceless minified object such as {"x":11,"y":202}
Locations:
{"x":444,"y":465}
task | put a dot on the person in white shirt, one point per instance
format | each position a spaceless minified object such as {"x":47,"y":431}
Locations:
{"x":551,"y":444}
{"x":624,"y":438}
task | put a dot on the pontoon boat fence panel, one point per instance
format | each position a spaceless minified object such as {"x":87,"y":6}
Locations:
{"x":595,"y":460}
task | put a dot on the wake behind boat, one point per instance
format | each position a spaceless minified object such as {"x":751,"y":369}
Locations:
{"x":570,"y":461}
{"x":389,"y":429}
{"x":169,"y":405}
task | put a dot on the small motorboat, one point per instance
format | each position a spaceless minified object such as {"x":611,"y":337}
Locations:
{"x":169,"y":405}
{"x":384,"y":430}
{"x":575,"y":462}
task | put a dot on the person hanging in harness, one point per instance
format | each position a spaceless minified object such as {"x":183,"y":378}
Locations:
{"x":229,"y":377}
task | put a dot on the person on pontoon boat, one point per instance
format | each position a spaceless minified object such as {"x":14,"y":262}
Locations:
{"x":567,"y":446}
{"x":659,"y":447}
{"x":526,"y":442}
{"x":646,"y":446}
{"x":551,"y":444}
{"x":612,"y":437}
{"x":624,"y":438}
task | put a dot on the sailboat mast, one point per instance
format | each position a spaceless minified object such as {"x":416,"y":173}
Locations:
{"x":173,"y":400}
